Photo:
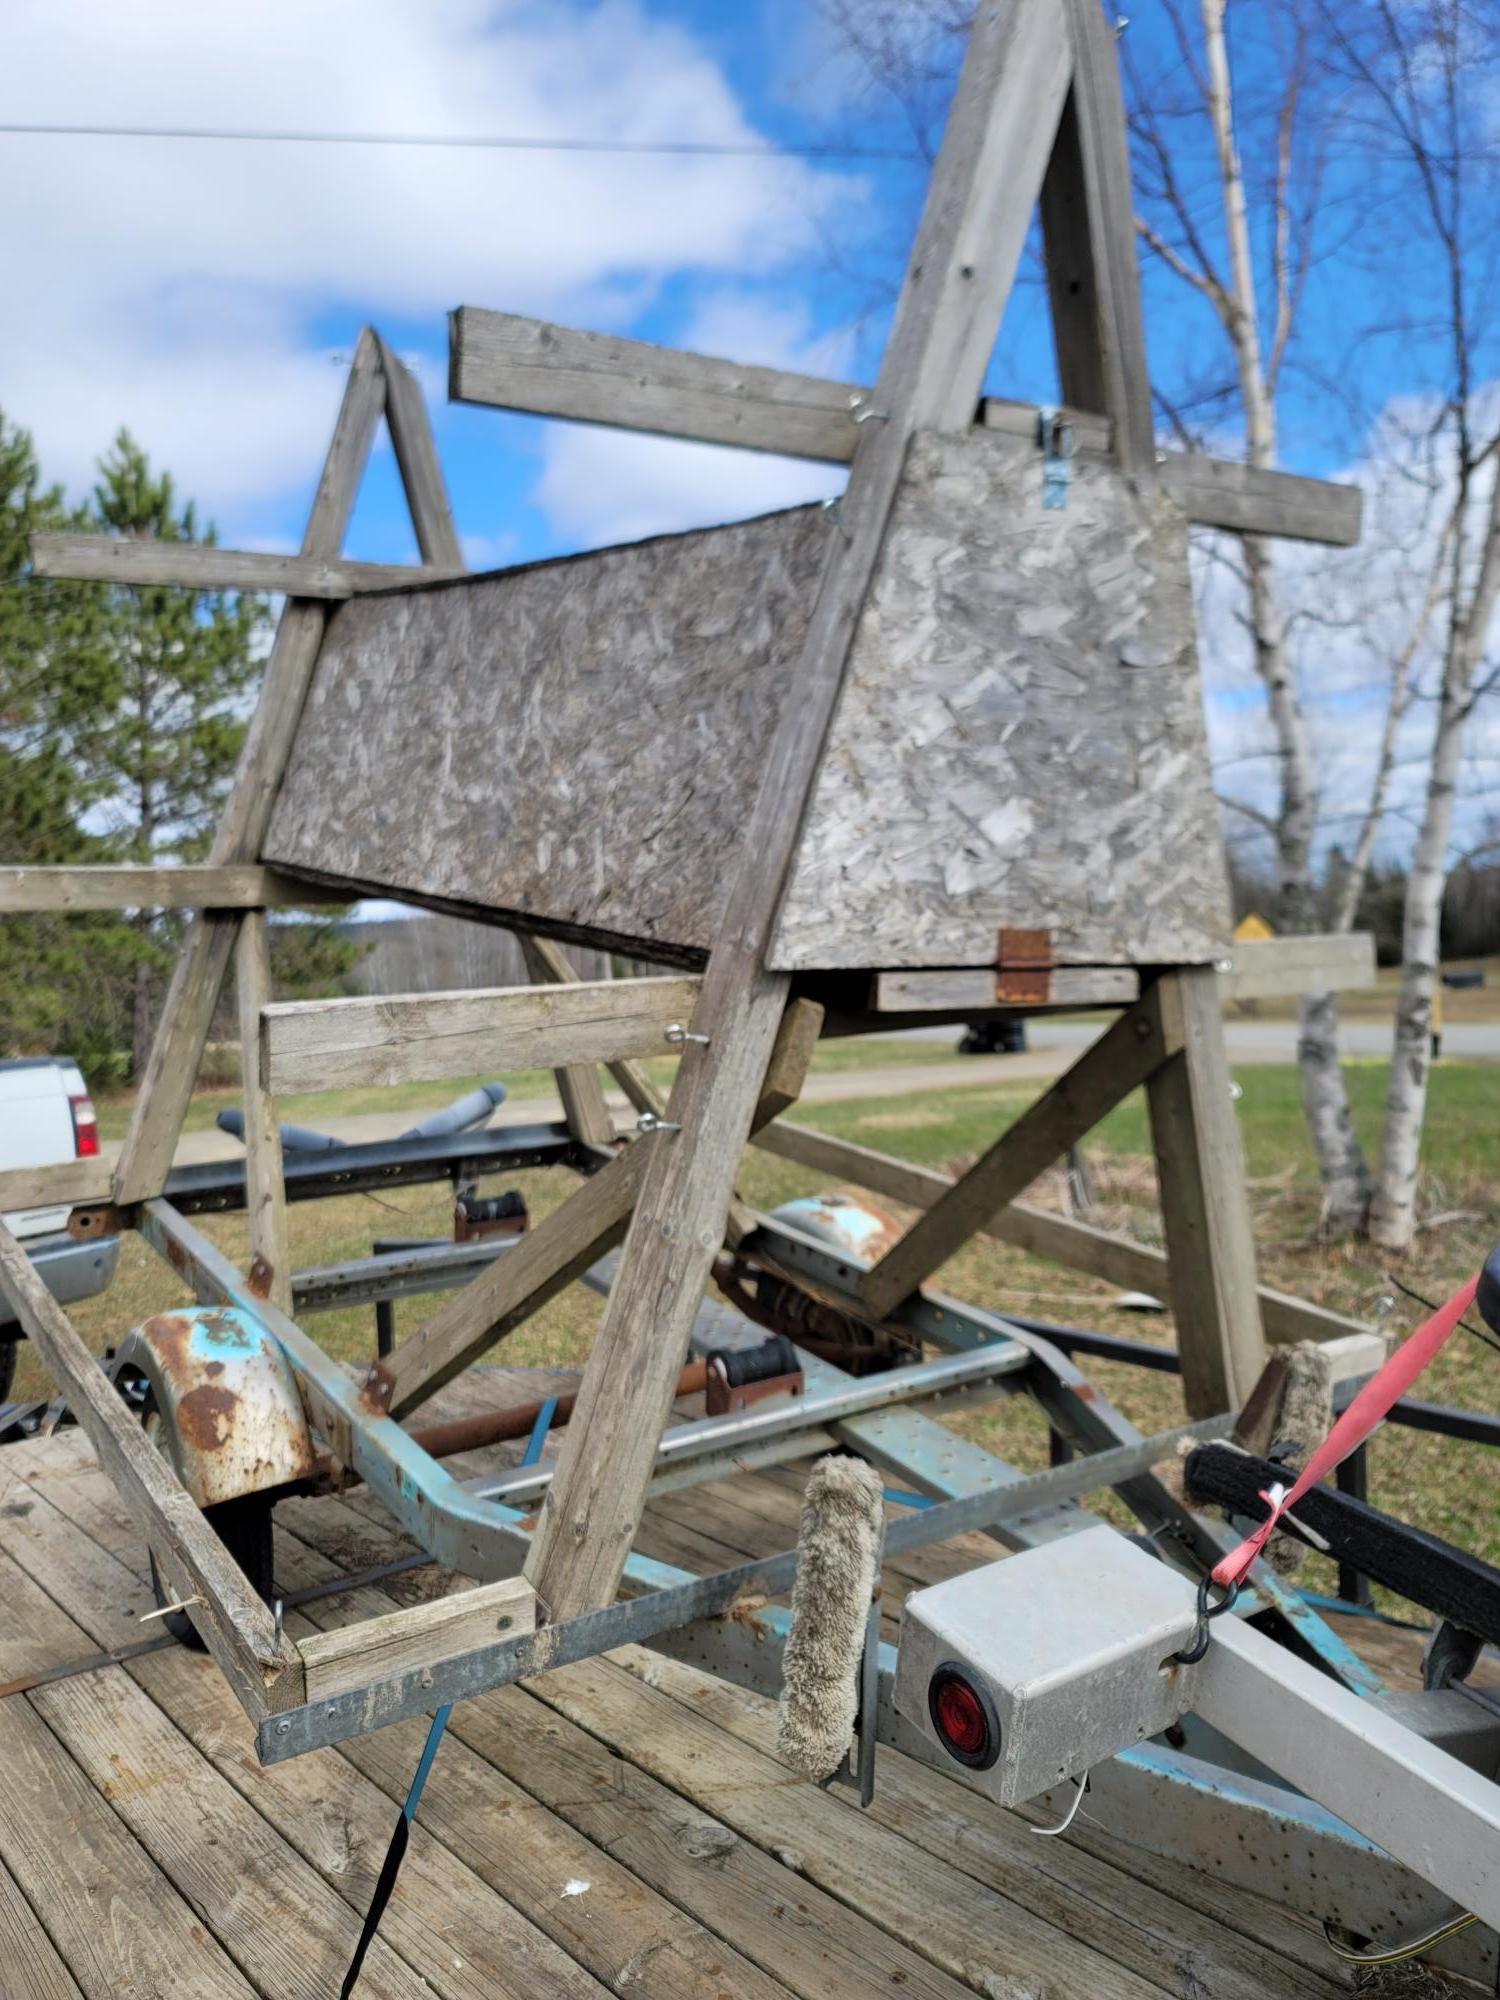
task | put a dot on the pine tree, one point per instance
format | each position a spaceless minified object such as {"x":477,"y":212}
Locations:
{"x":60,"y":977}
{"x":161,"y":745}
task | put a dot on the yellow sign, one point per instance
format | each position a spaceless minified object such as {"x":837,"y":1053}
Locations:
{"x":1253,"y":927}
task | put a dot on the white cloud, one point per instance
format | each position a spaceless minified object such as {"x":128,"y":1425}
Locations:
{"x":599,"y":486}
{"x":177,"y":286}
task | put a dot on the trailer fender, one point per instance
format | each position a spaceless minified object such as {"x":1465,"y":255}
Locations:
{"x":228,"y":1415}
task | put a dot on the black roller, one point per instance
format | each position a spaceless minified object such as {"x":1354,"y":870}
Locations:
{"x":1487,"y":1298}
{"x":493,"y":1207}
{"x":773,"y":1357}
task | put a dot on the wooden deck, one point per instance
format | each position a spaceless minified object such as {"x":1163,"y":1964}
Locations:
{"x":620,"y":1826}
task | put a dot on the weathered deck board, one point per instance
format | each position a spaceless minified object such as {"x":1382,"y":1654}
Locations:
{"x":712,"y":1875}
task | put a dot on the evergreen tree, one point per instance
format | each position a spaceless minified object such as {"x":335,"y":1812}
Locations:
{"x":160,"y":746}
{"x":60,"y":977}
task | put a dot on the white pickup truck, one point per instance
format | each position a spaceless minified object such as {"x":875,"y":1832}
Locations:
{"x":46,"y":1115}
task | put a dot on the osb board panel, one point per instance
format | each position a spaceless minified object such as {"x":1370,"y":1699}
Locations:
{"x":1020,"y":739}
{"x":1020,"y":742}
{"x":577,"y":742}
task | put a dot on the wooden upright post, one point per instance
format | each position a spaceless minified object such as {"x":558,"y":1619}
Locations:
{"x":1205,"y":1208}
{"x":265,"y":1188}
{"x":181,"y":1033}
{"x":999,"y":136}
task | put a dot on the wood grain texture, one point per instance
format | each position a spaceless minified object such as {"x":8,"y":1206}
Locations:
{"x":33,"y":1969}
{"x":417,"y":462}
{"x":950,"y":992}
{"x":579,"y":741}
{"x":1200,"y":1169}
{"x":182,"y":1031}
{"x":234,"y":1624}
{"x":73,"y":1181}
{"x":578,"y":1084}
{"x":1077,"y":1246}
{"x":544,"y":1261}
{"x":1226,"y":493}
{"x":178,"y":888}
{"x":416,"y":1635}
{"x":1277,"y":968}
{"x":201,"y":566}
{"x":1020,"y":738}
{"x":270,"y":1268}
{"x":402,"y":1038}
{"x":1122,"y":1059}
{"x":557,"y":371}
{"x":548,"y":961}
{"x":968,"y":243}
{"x":1106,"y":217}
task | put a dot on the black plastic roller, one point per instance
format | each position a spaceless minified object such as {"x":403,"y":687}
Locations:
{"x":1487,"y":1298}
{"x":773,"y":1358}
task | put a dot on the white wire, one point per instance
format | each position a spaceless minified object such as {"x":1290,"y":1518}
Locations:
{"x":1051,"y":1832}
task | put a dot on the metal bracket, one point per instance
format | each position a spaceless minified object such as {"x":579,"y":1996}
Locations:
{"x":1055,"y":436}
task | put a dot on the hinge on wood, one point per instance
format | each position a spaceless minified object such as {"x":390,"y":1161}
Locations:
{"x":1023,"y":968}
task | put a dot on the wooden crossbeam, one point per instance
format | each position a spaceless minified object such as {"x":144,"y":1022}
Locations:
{"x":512,"y":363}
{"x":73,"y":1181}
{"x":124,"y":887}
{"x":418,"y":1635}
{"x":201,"y":566}
{"x":182,"y":1032}
{"x":546,"y":961}
{"x":995,"y":148}
{"x":1121,"y":1060}
{"x":544,"y":1262}
{"x":1060,"y":1239}
{"x":261,"y":1666}
{"x":411,"y":1037}
{"x":1278,"y":968}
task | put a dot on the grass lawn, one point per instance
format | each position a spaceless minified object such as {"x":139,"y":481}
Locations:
{"x":308,"y":1107}
{"x":1448,"y":1487}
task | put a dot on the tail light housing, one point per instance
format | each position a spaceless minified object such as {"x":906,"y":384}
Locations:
{"x":963,"y":1717}
{"x":85,"y":1125}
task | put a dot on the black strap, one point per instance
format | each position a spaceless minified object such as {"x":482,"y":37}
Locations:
{"x":390,"y":1868}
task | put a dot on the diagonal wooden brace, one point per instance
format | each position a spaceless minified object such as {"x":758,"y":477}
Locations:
{"x":1123,"y":1058}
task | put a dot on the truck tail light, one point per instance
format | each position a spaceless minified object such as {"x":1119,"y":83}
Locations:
{"x":85,"y":1125}
{"x":964,"y":1717}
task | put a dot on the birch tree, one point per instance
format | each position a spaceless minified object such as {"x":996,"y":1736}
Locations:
{"x":1427,"y":72}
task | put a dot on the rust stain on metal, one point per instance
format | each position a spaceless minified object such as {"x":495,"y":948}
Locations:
{"x":1023,"y":988}
{"x":377,"y":1388}
{"x":206,"y":1416}
{"x":260,"y":1277}
{"x":1023,"y":967}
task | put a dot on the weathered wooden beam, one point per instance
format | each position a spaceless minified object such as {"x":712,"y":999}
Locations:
{"x":1077,"y":1246}
{"x":527,"y":364}
{"x":999,"y":134}
{"x":578,"y":1084}
{"x":1278,"y":968}
{"x":74,"y":1181}
{"x":544,"y":1262}
{"x":1104,"y":218}
{"x":421,"y":472}
{"x":1200,"y":1169}
{"x":404,"y":1038}
{"x":418,"y":1635}
{"x":182,"y":1032}
{"x":555,"y":371}
{"x":1123,"y":1058}
{"x":243,"y":887}
{"x":201,"y":566}
{"x":261,"y":1666}
{"x":1244,"y":500}
{"x":270,"y":1270}
{"x":547,"y":961}
{"x":980,"y":991}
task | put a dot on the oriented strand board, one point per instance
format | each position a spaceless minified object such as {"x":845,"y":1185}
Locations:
{"x":1020,"y":739}
{"x":577,"y":741}
{"x":1019,"y":743}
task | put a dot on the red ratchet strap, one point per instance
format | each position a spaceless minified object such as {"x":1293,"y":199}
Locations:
{"x":1367,"y":1409}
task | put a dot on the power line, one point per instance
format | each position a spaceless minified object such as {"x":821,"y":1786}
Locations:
{"x":493,"y":142}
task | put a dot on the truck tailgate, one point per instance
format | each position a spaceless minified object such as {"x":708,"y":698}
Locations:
{"x":36,"y":1130}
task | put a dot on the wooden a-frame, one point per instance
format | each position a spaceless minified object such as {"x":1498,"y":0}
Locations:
{"x":1037,"y":113}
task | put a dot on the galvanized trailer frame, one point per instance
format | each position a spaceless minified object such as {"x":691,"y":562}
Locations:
{"x":1037,"y":111}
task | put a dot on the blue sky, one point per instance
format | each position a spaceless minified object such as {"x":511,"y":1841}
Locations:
{"x":209,"y":294}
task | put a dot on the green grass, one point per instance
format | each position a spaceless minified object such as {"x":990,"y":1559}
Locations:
{"x":308,"y":1107}
{"x":1448,"y":1487}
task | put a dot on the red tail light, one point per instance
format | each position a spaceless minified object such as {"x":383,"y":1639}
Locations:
{"x":964,"y":1717}
{"x":85,"y":1126}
